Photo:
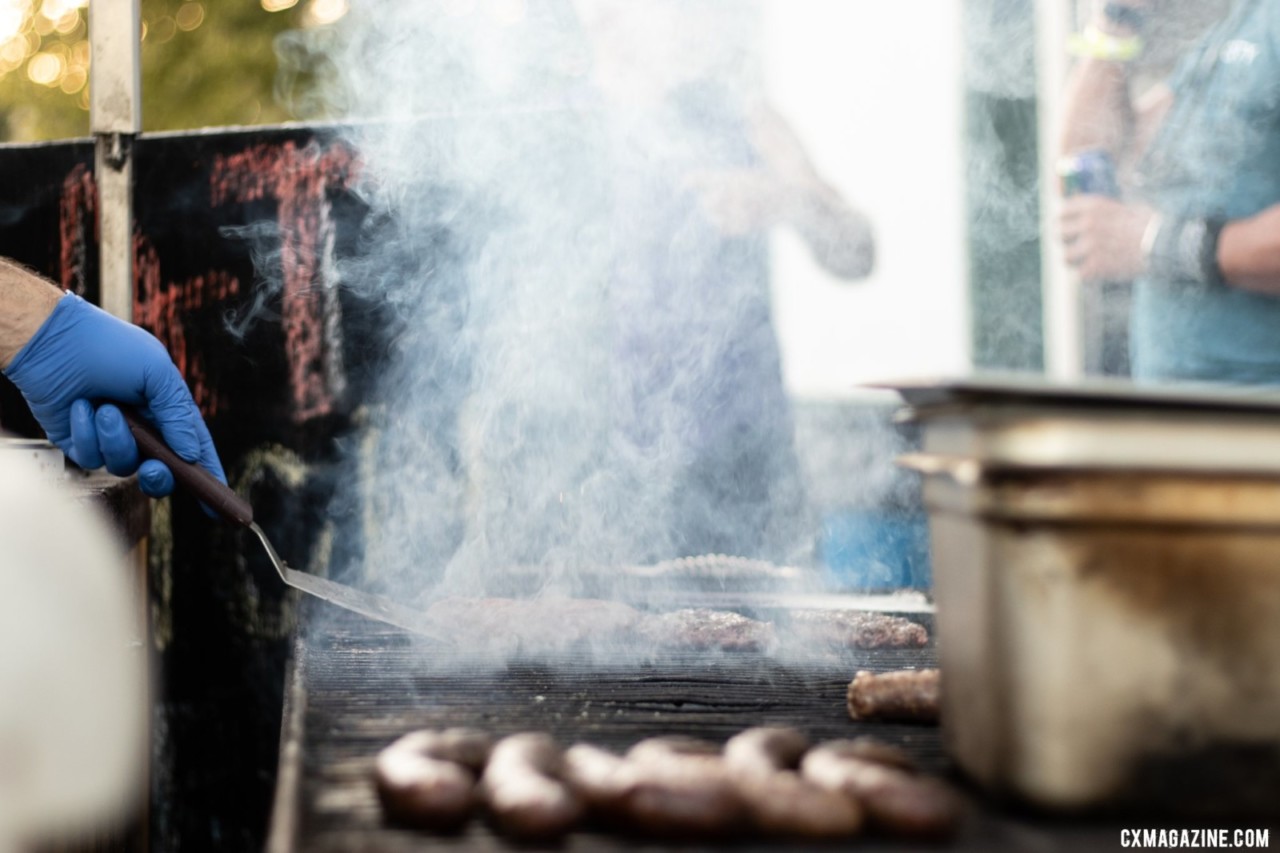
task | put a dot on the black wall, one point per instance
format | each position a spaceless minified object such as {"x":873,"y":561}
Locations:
{"x":277,"y":356}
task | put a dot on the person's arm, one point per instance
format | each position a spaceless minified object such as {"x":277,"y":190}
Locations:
{"x":1103,"y":238}
{"x":1108,"y":240}
{"x":786,"y":189}
{"x":1098,"y":112}
{"x":1101,"y":111}
{"x":1249,"y":252}
{"x":73,"y":361}
{"x":26,"y":301}
{"x":839,"y":236}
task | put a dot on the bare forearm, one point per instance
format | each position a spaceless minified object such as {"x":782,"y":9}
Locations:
{"x":1099,"y":112}
{"x":26,"y":301}
{"x":1249,"y":252}
{"x":839,"y":236}
{"x":1100,"y":108}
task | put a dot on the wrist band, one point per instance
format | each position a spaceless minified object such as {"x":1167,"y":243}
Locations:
{"x":1186,"y":250}
{"x":1093,"y":43}
{"x":1124,"y":15}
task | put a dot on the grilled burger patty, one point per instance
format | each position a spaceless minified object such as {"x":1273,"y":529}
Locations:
{"x":855,"y":629}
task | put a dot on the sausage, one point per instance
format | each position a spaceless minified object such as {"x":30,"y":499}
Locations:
{"x":678,"y":746}
{"x":428,"y":778}
{"x":468,"y":747}
{"x":895,"y":800}
{"x":784,"y":803}
{"x":765,"y":750}
{"x":909,"y":695}
{"x":599,"y":778}
{"x":671,"y":787}
{"x":877,"y":752}
{"x":780,"y":801}
{"x":686,"y":796}
{"x":523,"y":791}
{"x":680,"y":787}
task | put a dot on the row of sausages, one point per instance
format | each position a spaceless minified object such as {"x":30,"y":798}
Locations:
{"x":769,"y":781}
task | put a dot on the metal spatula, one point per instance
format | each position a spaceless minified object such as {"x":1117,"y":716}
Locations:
{"x":236,"y":509}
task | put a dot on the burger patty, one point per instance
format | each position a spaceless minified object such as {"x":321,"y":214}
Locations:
{"x":557,"y":625}
{"x":701,"y":629}
{"x":855,"y":629}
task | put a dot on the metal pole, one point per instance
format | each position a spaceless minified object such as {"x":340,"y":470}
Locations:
{"x":115,"y":119}
{"x":1063,"y":312}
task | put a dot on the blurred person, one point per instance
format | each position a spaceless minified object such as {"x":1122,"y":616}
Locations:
{"x":68,"y":357}
{"x":1197,"y":227}
{"x":701,"y":168}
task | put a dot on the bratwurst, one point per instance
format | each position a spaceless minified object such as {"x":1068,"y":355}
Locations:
{"x":781,"y":801}
{"x":908,"y":695}
{"x":523,"y":789}
{"x":428,"y":778}
{"x":897,"y":801}
{"x":669,"y":787}
{"x":680,"y":787}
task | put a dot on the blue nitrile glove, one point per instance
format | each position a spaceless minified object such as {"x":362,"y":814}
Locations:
{"x":83,"y":354}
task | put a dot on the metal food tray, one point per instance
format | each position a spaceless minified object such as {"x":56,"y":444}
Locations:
{"x":1094,"y":392}
{"x":1107,"y":577}
{"x":1019,"y":422}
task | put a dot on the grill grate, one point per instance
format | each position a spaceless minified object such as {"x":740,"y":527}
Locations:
{"x":355,"y":686}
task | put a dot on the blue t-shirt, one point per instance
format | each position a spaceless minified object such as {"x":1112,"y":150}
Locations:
{"x":1217,"y":154}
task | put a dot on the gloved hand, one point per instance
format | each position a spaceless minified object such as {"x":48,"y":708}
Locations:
{"x":82,"y":355}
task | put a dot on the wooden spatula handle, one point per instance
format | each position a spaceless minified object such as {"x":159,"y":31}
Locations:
{"x":195,"y":479}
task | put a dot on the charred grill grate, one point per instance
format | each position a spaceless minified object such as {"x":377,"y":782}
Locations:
{"x":356,"y":686}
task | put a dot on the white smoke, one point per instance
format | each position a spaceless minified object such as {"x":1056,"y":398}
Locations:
{"x":503,"y":435}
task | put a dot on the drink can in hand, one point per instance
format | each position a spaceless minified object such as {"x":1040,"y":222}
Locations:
{"x":1088,"y":173}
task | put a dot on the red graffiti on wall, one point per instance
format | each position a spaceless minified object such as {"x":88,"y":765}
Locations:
{"x":77,"y":214}
{"x":160,"y":307}
{"x":300,"y":180}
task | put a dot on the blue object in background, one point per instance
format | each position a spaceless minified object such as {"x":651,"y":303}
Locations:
{"x":876,"y":549}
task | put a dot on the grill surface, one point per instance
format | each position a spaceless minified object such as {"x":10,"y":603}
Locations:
{"x":355,"y":686}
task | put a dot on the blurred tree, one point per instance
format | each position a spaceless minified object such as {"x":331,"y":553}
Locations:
{"x":204,"y":63}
